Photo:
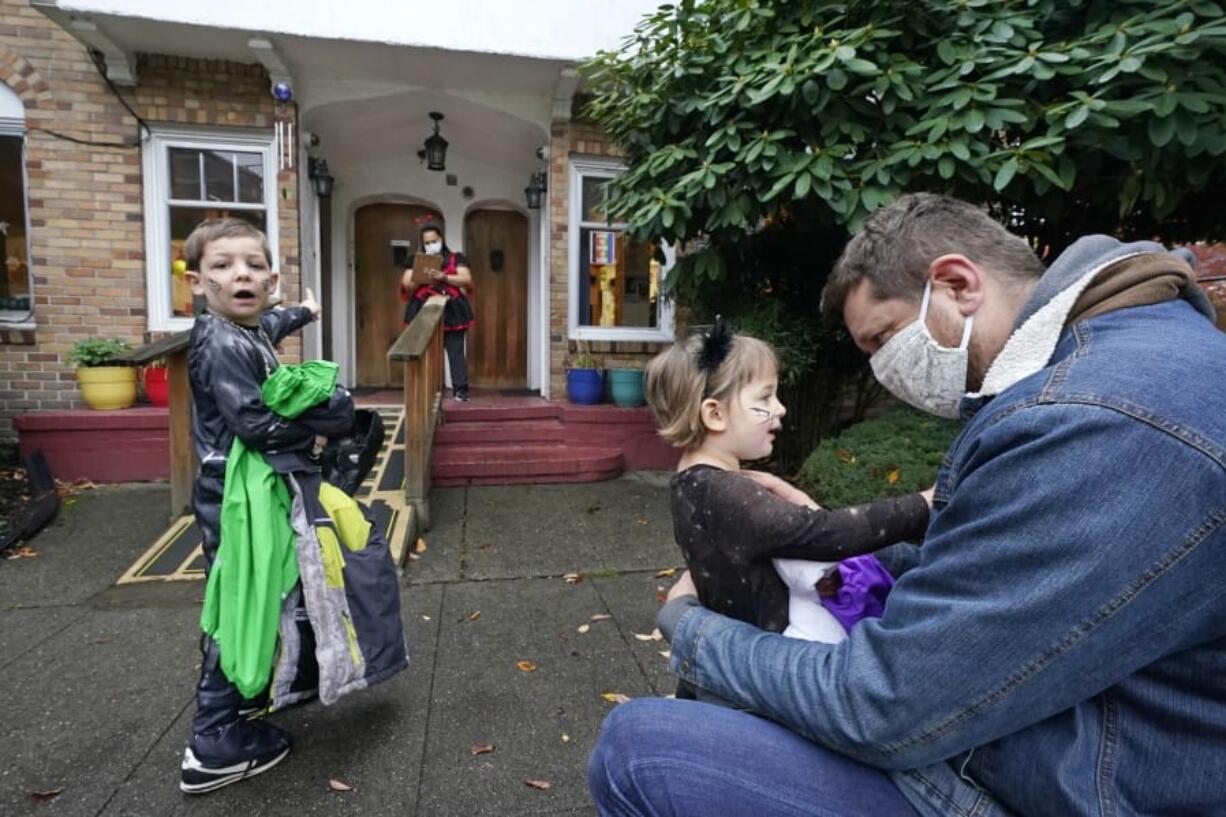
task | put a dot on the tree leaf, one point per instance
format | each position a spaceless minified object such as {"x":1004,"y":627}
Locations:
{"x":1005,"y":174}
{"x":1161,"y":130}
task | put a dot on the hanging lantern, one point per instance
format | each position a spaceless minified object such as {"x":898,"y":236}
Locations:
{"x":436,"y":146}
{"x":535,"y":190}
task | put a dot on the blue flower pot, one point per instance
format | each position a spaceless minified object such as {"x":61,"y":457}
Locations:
{"x":584,"y":386}
{"x":626,"y":386}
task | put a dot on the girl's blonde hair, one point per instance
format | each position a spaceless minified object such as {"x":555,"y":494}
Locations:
{"x":676,"y":384}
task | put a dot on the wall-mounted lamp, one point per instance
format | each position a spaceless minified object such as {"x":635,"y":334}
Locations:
{"x":321,"y":179}
{"x":535,"y":190}
{"x":435,"y":152}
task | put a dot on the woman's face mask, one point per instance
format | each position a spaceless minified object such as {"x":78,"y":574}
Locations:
{"x":433,"y":247}
{"x":920,"y":371}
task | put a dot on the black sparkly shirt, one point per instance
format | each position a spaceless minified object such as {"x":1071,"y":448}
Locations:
{"x":729,"y":528}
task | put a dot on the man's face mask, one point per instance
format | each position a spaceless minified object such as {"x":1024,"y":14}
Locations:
{"x":920,"y":371}
{"x":433,"y":247}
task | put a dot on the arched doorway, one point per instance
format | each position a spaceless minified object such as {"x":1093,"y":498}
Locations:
{"x":496,"y":245}
{"x":380,"y":231}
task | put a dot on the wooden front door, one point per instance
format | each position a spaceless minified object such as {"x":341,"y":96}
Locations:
{"x":379,"y":311}
{"x":496,"y":245}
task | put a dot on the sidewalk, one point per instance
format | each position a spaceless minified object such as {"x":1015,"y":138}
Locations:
{"x":97,"y":680}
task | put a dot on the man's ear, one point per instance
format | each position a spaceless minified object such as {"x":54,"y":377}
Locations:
{"x":713,"y":415}
{"x":961,"y":277}
{"x":193,"y":281}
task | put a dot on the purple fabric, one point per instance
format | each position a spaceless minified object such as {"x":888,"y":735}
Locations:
{"x":865,"y":587}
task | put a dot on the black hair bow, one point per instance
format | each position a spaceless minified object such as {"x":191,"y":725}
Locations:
{"x":715,"y":346}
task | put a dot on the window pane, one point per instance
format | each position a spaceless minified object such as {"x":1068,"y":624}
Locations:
{"x":182,"y":221}
{"x":619,"y":281}
{"x":593,"y":199}
{"x":250,"y":177}
{"x":15,"y":276}
{"x":184,"y":174}
{"x":219,"y":176}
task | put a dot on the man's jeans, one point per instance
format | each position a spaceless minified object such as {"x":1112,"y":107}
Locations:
{"x":658,"y":757}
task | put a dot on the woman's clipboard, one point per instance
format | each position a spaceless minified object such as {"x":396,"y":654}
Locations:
{"x":424,"y":265}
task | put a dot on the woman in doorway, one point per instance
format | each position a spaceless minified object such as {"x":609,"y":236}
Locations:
{"x":453,"y":280}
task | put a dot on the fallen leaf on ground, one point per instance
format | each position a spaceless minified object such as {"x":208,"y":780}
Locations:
{"x":654,"y":636}
{"x":665,"y":654}
{"x":572,"y":578}
{"x":565,"y":738}
{"x":425,"y":618}
{"x":845,"y":456}
{"x":583,"y":628}
{"x":23,"y":552}
{"x":892,"y":477}
{"x":47,"y":794}
{"x":615,"y":697}
{"x":420,"y":547}
{"x":526,"y":666}
{"x":600,"y":617}
{"x":543,"y":785}
{"x":103,"y":640}
{"x":661,"y":597}
{"x":642,"y":520}
{"x":337,"y":785}
{"x":476,"y":614}
{"x":481,"y":748}
{"x":413,"y":557}
{"x":666,"y":572}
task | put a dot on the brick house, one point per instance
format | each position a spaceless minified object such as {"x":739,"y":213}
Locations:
{"x":123,"y":123}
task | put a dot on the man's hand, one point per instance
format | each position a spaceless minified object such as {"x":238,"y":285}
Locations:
{"x":684,"y":587}
{"x":310,"y":303}
{"x":782,"y":489}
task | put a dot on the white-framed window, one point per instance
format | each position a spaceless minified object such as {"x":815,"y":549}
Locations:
{"x":616,"y":285}
{"x":16,"y":280}
{"x":191,"y":175}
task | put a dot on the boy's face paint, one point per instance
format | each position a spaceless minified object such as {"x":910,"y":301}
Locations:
{"x":234,"y":278}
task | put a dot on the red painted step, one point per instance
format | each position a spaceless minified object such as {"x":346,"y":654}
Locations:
{"x":498,"y":432}
{"x":510,"y":465}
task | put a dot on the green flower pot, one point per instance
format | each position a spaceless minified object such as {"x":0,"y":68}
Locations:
{"x":626,"y":387}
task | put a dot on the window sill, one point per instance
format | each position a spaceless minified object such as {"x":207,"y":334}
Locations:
{"x":637,"y":335}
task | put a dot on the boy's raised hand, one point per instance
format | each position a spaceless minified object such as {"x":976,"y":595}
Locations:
{"x":310,"y":303}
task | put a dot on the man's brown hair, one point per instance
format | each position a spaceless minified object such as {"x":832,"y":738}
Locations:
{"x":212,"y":229}
{"x":898,"y":243}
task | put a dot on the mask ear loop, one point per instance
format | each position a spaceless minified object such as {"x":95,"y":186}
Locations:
{"x":923,"y":318}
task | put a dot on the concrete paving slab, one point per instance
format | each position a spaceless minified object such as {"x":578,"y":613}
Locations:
{"x":444,"y":556}
{"x":633,"y":601}
{"x":24,"y":629}
{"x":85,"y":706}
{"x":515,"y":545}
{"x":481,"y":696}
{"x":89,"y":545}
{"x":372,"y":740}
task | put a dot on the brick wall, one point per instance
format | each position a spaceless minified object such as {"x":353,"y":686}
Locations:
{"x":569,"y":139}
{"x":85,"y":202}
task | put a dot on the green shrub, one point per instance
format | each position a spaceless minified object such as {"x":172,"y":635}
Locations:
{"x":96,"y":351}
{"x":896,"y":453}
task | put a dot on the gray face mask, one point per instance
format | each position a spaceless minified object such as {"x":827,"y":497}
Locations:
{"x":918,"y":370}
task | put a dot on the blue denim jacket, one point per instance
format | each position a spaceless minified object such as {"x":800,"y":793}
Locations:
{"x":1060,"y":648}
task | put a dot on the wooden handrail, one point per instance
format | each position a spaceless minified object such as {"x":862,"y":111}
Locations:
{"x":174,"y":349}
{"x":420,"y":349}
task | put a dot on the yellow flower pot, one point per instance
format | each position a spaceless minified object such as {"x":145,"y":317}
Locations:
{"x":107,"y":387}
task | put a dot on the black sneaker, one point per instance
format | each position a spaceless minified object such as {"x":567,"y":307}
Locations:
{"x":264,"y":744}
{"x":462,"y":396}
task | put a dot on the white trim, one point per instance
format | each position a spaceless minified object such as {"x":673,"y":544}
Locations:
{"x":16,"y":319}
{"x":663,"y":332}
{"x":156,"y":169}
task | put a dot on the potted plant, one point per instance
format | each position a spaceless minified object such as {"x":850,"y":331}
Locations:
{"x":626,"y":387}
{"x":584,"y":385}
{"x":104,"y":385}
{"x":155,"y":383}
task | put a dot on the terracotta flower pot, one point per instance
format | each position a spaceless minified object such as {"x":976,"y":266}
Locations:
{"x":107,"y":387}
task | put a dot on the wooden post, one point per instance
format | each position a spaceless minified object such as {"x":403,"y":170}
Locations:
{"x":182,"y":447}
